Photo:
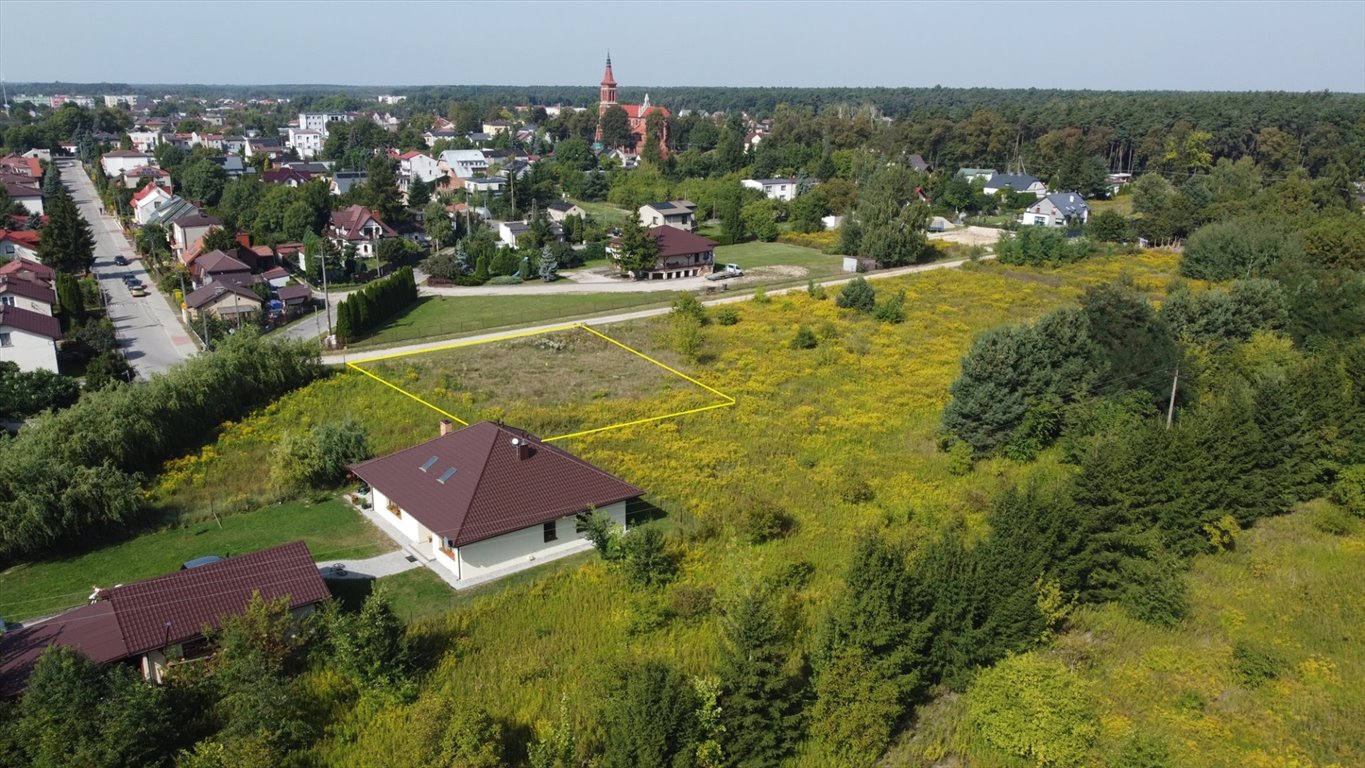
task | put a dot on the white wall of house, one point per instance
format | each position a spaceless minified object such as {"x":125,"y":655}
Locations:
{"x":30,"y":351}
{"x":23,"y":302}
{"x":31,"y":204}
{"x":117,"y":166}
{"x":11,"y":250}
{"x":524,"y":548}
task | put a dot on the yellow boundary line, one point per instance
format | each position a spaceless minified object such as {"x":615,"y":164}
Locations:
{"x":729,"y":401}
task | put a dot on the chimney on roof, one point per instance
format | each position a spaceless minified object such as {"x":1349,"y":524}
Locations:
{"x":447,"y":426}
{"x":523,"y":446}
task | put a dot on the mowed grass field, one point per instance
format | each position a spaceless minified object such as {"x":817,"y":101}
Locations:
{"x":564,"y":372}
{"x":331,"y":529}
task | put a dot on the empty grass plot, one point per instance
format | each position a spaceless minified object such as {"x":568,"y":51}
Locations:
{"x":559,"y":383}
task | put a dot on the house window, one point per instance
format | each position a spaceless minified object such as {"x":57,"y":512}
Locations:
{"x":551,"y":532}
{"x":6,"y":301}
{"x":5,"y":340}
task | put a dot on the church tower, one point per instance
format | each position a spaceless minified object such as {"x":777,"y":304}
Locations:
{"x":608,"y":95}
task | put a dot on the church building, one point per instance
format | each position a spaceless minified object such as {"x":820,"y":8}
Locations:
{"x":638,"y":114}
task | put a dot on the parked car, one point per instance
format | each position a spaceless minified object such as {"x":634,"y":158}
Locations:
{"x":139,"y":292}
{"x":119,"y":261}
{"x":725,"y":271}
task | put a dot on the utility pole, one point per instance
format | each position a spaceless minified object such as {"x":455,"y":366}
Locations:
{"x":326,"y":297}
{"x":1170,"y":411}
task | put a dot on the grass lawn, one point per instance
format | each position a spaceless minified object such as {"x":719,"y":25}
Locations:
{"x":606,"y":213}
{"x":1122,"y":205}
{"x":436,"y":317}
{"x":417,"y":594}
{"x":331,"y":529}
{"x":756,"y":256}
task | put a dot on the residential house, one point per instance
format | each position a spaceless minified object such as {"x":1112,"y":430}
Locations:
{"x":462,"y":164}
{"x":145,"y":141}
{"x":218,"y":265}
{"x":479,"y":184}
{"x":224,"y":299}
{"x":19,"y":244}
{"x":675,"y":213}
{"x":234,"y":145}
{"x":343,"y":181}
{"x":134,"y":177}
{"x":29,"y":195}
{"x":158,"y":623}
{"x":294,"y":297}
{"x":681,"y":254}
{"x":560,"y":210}
{"x":276,"y":277}
{"x":1059,"y":209}
{"x":166,"y":213}
{"x":306,"y":144}
{"x":752,"y":140}
{"x":386,"y":121}
{"x":972,"y":174}
{"x":359,"y":226}
{"x":232,"y":165}
{"x":419,"y":165}
{"x":258,"y":145}
{"x":22,"y":165}
{"x":26,"y":268}
{"x":286,"y":176}
{"x":433,"y":136}
{"x":187,"y":230}
{"x":33,"y":295}
{"x":918,"y":163}
{"x":322,"y":121}
{"x":27,"y":338}
{"x":489,"y":500}
{"x":119,"y":161}
{"x":774,"y":189}
{"x":1015,"y":182}
{"x":210,"y":140}
{"x":494,"y":127}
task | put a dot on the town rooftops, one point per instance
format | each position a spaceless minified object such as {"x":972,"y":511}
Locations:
{"x":352,"y":220}
{"x":126,"y":153}
{"x":18,"y":190}
{"x":164,"y":611}
{"x":561,"y":206}
{"x":476,"y":483}
{"x":1015,"y":181}
{"x":293,"y":294}
{"x":148,"y":191}
{"x":25,"y":237}
{"x":219,"y":262}
{"x":30,"y":321}
{"x":145,"y":172}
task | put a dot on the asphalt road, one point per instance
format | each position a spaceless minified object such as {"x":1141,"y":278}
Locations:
{"x":149,"y":333}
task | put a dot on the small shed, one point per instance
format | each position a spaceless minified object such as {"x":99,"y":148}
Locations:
{"x":859,"y":264}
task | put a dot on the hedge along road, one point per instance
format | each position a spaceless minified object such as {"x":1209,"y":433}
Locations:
{"x":341,"y":358}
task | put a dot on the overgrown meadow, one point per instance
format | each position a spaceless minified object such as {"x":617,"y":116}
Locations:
{"x":842,"y":437}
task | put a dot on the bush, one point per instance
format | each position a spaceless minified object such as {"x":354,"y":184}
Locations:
{"x":763,"y":520}
{"x":804,"y":339}
{"x":892,"y":310}
{"x":687,"y":305}
{"x":761,"y":295}
{"x":727,"y":315}
{"x":505,"y":280}
{"x":1238,"y":248}
{"x":1154,"y":590}
{"x":1329,"y":518}
{"x":28,"y":393}
{"x":691,"y":602}
{"x":1254,"y":665}
{"x":1034,"y":708}
{"x":1349,"y":490}
{"x":1041,"y":246}
{"x":371,"y":306}
{"x":857,"y":294}
{"x":815,"y":291}
{"x":318,"y":458}
{"x":646,"y":558}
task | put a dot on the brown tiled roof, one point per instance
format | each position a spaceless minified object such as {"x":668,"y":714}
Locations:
{"x":90,"y":629}
{"x":32,"y":289}
{"x":198,"y":220}
{"x":21,"y":266}
{"x":167,"y":610}
{"x":290,"y":293}
{"x":493,"y":490}
{"x":219,"y":262}
{"x":213,"y":291}
{"x":677,"y":242}
{"x":25,"y":237}
{"x":353,"y":219}
{"x":177,"y":607}
{"x":33,"y":322}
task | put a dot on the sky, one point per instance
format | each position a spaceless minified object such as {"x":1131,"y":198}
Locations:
{"x":1230,"y":46}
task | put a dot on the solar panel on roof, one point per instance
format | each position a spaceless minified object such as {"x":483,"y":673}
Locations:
{"x":446,"y":475}
{"x":428,"y":463}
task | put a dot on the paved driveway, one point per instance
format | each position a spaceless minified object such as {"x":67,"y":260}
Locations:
{"x":150,"y":335}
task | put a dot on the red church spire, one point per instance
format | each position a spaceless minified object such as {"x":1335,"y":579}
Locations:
{"x":608,"y":95}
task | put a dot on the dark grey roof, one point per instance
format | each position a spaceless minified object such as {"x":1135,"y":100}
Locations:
{"x":1015,"y":181}
{"x":661,"y":207}
{"x":1069,"y":203}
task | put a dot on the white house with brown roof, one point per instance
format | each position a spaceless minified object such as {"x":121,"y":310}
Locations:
{"x":224,"y":299}
{"x":119,"y":161}
{"x":186,"y":231}
{"x":489,"y":500}
{"x":774,"y":189}
{"x":27,"y":293}
{"x":28,"y":339}
{"x":19,"y":244}
{"x":359,"y":226}
{"x":560,"y":210}
{"x":681,"y":254}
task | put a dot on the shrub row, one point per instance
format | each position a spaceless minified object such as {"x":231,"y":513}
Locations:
{"x":365,"y":309}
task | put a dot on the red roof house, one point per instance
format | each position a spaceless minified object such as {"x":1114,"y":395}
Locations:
{"x":681,"y":254}
{"x":152,"y":621}
{"x":490,"y":499}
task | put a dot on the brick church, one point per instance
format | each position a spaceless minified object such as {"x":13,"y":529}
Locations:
{"x":637,"y":113}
